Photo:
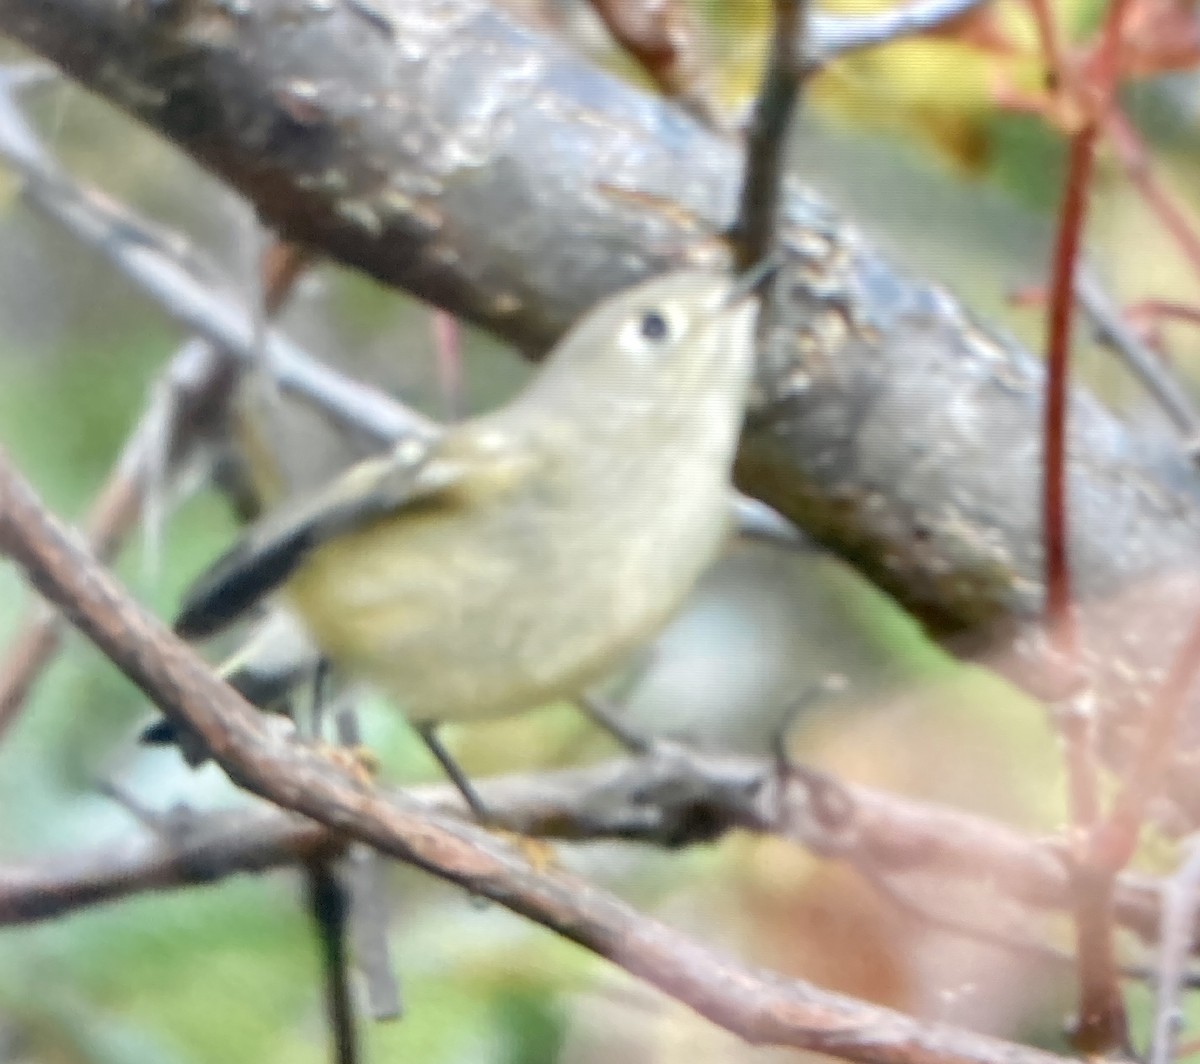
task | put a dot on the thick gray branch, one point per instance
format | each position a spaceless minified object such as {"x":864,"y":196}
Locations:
{"x":445,"y":149}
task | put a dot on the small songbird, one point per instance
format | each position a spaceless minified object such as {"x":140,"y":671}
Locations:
{"x":522,"y":554}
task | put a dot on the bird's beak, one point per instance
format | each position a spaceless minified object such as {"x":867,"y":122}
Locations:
{"x":753,"y":280}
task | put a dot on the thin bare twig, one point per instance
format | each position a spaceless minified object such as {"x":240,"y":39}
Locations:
{"x":195,"y":384}
{"x":185,"y":405}
{"x":202,"y":849}
{"x":1101,"y":1024}
{"x":766,"y":142}
{"x":670,"y":797}
{"x":370,"y":910}
{"x":1159,"y":734}
{"x":1158,"y":379}
{"x":1153,"y":309}
{"x":664,"y":36}
{"x":832,"y":36}
{"x":189,"y":395}
{"x":1134,"y":158}
{"x":148,"y":261}
{"x":447,"y":345}
{"x":760,"y":1006}
{"x":1049,"y":40}
{"x":328,"y":903}
{"x":1181,"y":901}
{"x":1018,"y":943}
{"x":1059,"y":612}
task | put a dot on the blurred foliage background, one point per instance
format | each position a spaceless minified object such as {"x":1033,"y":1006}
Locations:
{"x":909,"y":139}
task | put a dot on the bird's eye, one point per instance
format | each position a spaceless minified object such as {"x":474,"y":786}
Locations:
{"x":654,"y":327}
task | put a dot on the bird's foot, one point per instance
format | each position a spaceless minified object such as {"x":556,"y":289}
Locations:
{"x":359,"y":761}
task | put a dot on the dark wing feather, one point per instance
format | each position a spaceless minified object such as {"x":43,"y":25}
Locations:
{"x":272,"y":551}
{"x":239,"y":579}
{"x":269,"y":667}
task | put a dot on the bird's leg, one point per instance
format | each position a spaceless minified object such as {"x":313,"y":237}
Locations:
{"x":320,"y":698}
{"x":428,"y":733}
{"x":785,"y":768}
{"x":601,"y":714}
{"x":536,"y":851}
{"x":347,"y":750}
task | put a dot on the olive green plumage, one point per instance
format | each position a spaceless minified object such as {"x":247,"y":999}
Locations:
{"x":522,"y":554}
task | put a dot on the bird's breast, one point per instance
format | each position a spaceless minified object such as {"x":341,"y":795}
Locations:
{"x":471,"y":615}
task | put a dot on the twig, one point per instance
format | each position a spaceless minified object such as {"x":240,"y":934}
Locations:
{"x":1164,"y":308}
{"x":448,"y":354}
{"x":370,"y":911}
{"x":145,"y":259}
{"x":767,"y":141}
{"x":185,"y":405}
{"x":1132,"y":154}
{"x":760,"y":1006}
{"x":950,"y":539}
{"x":189,"y":395}
{"x":1115,"y":332}
{"x":837,"y":35}
{"x":1059,"y":613}
{"x":664,"y":37}
{"x":1014,"y":942}
{"x":328,"y":903}
{"x":1049,"y":41}
{"x":1101,"y":1025}
{"x":669,"y":798}
{"x":1181,"y":900}
{"x":213,"y":846}
{"x":1101,"y":1010}
{"x":1160,"y":730}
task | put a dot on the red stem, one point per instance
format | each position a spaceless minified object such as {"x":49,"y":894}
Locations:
{"x":1102,"y":1024}
{"x":1059,"y":618}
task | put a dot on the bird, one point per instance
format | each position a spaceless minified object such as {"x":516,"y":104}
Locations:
{"x":519,"y":556}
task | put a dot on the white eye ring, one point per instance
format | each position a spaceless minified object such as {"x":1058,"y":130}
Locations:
{"x":653,"y":328}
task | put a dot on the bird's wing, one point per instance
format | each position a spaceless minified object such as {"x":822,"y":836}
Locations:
{"x":266,"y":670}
{"x":412,"y":474}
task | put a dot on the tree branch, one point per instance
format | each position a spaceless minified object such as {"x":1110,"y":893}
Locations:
{"x":837,"y":35}
{"x":189,"y":395}
{"x":897,"y":430}
{"x":671,"y":797}
{"x":760,"y":1006}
